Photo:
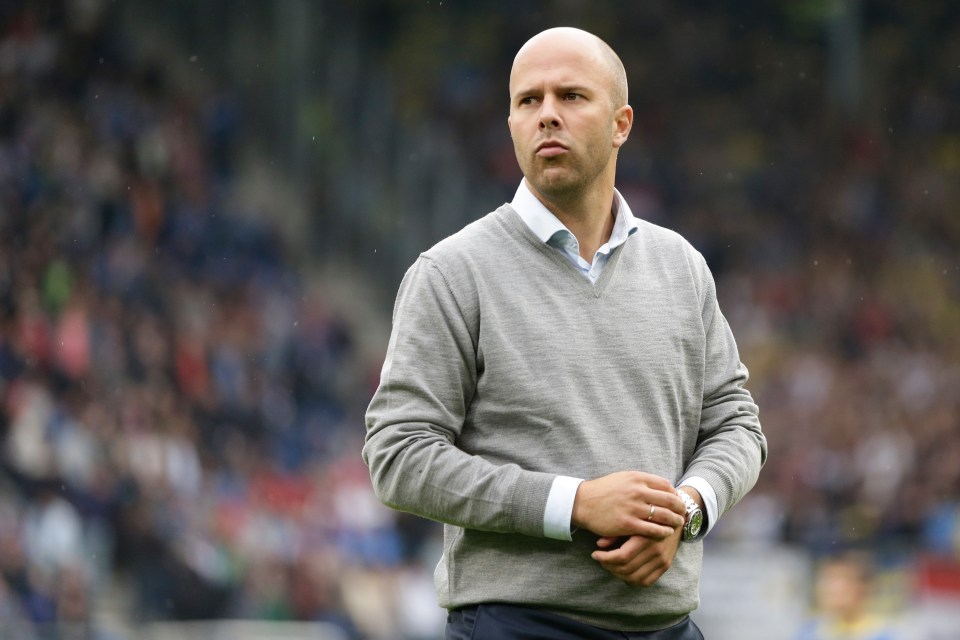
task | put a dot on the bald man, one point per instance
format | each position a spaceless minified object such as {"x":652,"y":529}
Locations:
{"x":560,"y":388}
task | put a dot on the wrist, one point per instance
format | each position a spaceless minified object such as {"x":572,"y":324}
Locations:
{"x":576,"y":514}
{"x":693,"y":522}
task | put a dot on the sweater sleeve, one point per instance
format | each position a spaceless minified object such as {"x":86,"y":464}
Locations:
{"x":419,"y":409}
{"x":731,"y":447}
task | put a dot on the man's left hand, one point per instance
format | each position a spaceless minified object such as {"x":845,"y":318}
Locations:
{"x":639,"y":561}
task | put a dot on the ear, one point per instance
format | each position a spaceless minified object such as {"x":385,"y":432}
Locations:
{"x":622,"y":123}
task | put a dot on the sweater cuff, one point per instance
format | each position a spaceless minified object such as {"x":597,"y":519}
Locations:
{"x":558,"y":513}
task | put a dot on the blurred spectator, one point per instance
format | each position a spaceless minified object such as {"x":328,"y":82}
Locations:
{"x":842,"y":600}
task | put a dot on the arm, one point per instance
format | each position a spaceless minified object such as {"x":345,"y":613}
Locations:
{"x":416,"y":415}
{"x":731,"y":447}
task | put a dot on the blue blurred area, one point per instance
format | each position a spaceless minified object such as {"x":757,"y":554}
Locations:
{"x":181,"y":406}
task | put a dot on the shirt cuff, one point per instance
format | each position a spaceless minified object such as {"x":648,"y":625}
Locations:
{"x":559,"y":511}
{"x":709,"y":497}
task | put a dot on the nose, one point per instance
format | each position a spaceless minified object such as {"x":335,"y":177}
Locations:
{"x":549,"y":117}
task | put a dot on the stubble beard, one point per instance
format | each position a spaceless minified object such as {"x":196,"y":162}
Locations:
{"x":561,"y":180}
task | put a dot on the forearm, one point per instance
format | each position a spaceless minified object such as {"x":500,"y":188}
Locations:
{"x":731,"y":447}
{"x":421,"y":472}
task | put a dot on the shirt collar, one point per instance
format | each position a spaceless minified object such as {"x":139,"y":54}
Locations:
{"x":545,"y":225}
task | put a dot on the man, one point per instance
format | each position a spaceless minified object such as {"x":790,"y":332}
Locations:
{"x":555,"y":370}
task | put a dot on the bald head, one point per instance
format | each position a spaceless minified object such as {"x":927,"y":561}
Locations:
{"x":570,"y":38}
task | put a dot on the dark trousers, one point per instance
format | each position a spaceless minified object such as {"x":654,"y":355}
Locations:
{"x":498,"y":621}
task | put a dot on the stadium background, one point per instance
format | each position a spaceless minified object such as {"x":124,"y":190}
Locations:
{"x":205,"y":210}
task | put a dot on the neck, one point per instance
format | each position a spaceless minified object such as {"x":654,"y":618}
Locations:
{"x":588,"y":216}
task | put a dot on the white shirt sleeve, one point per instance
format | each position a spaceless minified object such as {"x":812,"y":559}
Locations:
{"x":559,"y":512}
{"x":709,"y":499}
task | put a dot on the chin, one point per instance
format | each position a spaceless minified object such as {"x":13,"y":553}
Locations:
{"x":558,"y":186}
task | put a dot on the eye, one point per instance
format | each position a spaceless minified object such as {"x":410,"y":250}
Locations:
{"x":572,"y":96}
{"x":527,"y":100}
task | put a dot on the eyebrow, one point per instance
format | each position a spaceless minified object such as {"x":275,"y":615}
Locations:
{"x":575,"y":88}
{"x":562,"y":89}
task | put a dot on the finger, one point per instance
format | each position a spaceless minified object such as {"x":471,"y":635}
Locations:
{"x":652,"y":530}
{"x":662,"y":515}
{"x":608,"y":541}
{"x":625,"y":554}
{"x":621,"y":565}
{"x":668,"y":500}
{"x":642,"y":569}
{"x":640,"y":573}
{"x":662,"y":500}
{"x":647,"y":573}
{"x":637,"y":570}
{"x":654,"y":481}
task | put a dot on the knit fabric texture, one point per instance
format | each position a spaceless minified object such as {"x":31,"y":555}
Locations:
{"x":506,"y":367}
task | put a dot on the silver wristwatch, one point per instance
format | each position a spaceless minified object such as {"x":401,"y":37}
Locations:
{"x":691,"y":528}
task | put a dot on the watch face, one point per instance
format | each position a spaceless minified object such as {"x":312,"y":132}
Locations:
{"x":695,"y":523}
{"x":692,"y":530}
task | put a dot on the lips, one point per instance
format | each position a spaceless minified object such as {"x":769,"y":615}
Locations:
{"x":550,"y":148}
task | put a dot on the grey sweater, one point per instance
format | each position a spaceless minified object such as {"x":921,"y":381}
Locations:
{"x":506,"y":367}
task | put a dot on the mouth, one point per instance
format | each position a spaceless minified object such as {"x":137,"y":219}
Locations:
{"x":550,"y":148}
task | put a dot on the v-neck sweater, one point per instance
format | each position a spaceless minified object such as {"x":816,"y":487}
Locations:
{"x":506,"y":368}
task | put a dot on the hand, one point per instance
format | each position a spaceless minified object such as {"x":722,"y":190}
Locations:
{"x":619,"y":505}
{"x":639,"y":561}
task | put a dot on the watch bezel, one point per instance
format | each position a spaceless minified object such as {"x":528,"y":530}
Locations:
{"x":694,"y":523}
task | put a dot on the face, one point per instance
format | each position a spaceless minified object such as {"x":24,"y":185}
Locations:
{"x":840,"y":589}
{"x":565,"y":127}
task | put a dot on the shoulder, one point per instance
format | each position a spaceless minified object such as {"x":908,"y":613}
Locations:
{"x":460,"y":264}
{"x":664,"y":237}
{"x":672,"y":258}
{"x":478,"y":242}
{"x":663,"y":244}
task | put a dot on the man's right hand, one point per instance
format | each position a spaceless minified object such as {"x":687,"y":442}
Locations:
{"x":619,"y":505}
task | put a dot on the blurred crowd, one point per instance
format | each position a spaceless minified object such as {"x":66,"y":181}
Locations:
{"x":181,"y":412}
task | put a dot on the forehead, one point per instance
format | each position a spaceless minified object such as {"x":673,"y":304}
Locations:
{"x":558,"y":63}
